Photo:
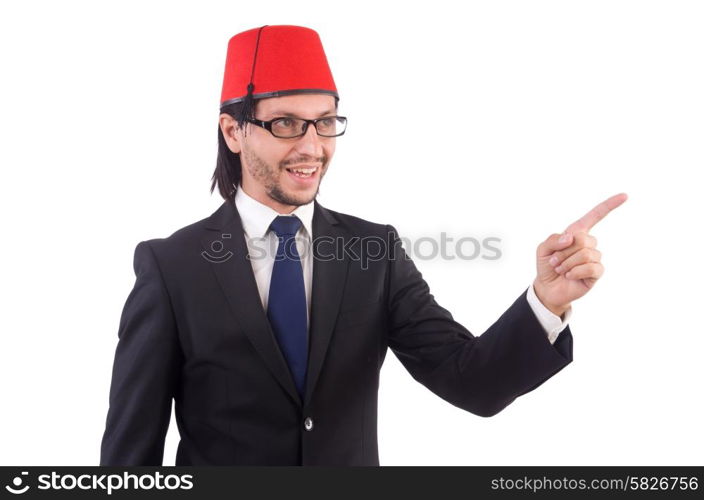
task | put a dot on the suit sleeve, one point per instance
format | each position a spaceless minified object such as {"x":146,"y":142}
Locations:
{"x":145,"y":370}
{"x":480,"y":374}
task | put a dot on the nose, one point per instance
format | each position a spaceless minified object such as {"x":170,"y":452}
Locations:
{"x":310,"y":143}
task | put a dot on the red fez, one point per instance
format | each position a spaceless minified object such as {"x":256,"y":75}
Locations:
{"x":273,"y":61}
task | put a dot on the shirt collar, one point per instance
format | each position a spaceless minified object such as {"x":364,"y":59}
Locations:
{"x":257,"y":217}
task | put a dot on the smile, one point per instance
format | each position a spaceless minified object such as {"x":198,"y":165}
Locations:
{"x":303,"y":172}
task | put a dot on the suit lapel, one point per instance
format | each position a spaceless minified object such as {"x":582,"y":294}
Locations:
{"x":237,"y":282}
{"x":329,"y":276}
{"x":224,"y":235}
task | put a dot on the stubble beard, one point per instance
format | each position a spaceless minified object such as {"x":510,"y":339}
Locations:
{"x":268,"y":176}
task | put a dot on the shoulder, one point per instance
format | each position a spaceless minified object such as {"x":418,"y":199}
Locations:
{"x":182,"y":243}
{"x":358,"y":226}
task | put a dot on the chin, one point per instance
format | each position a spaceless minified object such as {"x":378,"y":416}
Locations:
{"x":295,"y":198}
{"x":304,"y":200}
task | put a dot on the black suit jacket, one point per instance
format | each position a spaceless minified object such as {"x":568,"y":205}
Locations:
{"x":193,"y":329}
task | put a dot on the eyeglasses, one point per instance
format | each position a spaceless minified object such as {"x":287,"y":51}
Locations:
{"x":287,"y":128}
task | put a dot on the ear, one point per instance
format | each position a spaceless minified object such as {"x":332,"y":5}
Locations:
{"x":231,"y":132}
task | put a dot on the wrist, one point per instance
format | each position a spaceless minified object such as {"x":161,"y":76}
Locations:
{"x":557,"y":309}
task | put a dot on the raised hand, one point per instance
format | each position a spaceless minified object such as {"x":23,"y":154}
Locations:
{"x":569,"y":264}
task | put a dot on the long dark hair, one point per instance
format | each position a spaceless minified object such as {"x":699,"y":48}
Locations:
{"x":228,"y":168}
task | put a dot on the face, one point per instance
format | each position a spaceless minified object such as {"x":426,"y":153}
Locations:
{"x":268,"y":162}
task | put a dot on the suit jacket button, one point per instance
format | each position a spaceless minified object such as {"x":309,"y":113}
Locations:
{"x":308,"y":424}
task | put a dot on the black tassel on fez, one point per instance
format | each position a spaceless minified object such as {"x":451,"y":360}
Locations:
{"x":247,"y":112}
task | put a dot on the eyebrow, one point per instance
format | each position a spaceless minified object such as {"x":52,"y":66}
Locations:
{"x":294,"y":115}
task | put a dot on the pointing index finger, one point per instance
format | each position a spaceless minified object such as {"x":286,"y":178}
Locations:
{"x":597,"y":213}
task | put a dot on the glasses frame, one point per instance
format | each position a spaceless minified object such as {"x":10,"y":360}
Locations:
{"x":268,"y":125}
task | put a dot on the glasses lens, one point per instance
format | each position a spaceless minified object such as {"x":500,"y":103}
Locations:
{"x":287,"y":127}
{"x":331,"y":126}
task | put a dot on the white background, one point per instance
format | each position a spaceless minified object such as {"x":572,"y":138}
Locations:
{"x":506,"y":119}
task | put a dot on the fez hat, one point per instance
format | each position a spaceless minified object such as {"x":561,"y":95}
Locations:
{"x":273,"y":61}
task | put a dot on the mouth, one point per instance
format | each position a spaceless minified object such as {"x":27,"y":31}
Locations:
{"x":303,"y":173}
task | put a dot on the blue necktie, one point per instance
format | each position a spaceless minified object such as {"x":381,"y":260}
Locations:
{"x":287,"y":310}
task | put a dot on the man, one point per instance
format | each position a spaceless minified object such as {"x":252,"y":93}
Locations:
{"x":268,"y":322}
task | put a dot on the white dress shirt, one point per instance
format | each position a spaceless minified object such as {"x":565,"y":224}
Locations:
{"x":262,"y":243}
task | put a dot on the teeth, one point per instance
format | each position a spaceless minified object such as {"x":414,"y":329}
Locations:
{"x":302,"y":172}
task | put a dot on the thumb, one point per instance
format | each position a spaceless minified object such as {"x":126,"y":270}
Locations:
{"x":555,"y":242}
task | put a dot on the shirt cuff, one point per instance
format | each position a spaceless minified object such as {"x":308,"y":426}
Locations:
{"x":551,"y":322}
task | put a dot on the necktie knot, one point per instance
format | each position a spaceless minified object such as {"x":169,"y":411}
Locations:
{"x":286,"y":225}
